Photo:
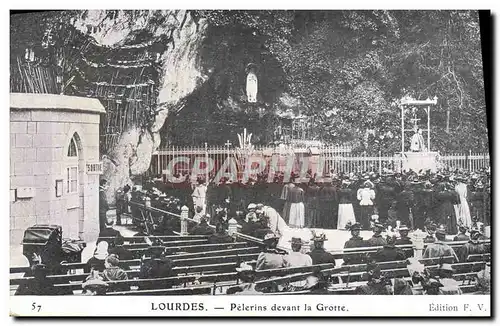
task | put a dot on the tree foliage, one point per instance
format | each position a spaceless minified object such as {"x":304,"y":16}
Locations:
{"x":347,"y":68}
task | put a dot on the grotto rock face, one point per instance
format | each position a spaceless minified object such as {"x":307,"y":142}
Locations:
{"x":181,"y":75}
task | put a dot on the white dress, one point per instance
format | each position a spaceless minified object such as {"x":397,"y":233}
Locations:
{"x":199,"y":198}
{"x":463,"y":207}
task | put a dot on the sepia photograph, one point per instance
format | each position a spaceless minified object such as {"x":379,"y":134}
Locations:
{"x":203,"y":162}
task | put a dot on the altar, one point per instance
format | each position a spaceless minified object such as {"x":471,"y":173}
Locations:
{"x":417,"y":161}
{"x":420,"y":157}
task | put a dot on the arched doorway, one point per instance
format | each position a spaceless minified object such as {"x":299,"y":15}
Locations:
{"x":74,"y":187}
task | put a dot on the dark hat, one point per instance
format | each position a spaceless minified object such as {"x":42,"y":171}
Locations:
{"x":356,"y":226}
{"x":379,"y":225}
{"x":319,"y":238}
{"x":297,"y":241}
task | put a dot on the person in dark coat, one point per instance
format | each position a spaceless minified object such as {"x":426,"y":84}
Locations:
{"x":377,"y":239}
{"x":376,"y":284}
{"x":312,"y":205}
{"x":328,"y":206}
{"x":446,"y":197}
{"x":203,"y":228}
{"x":318,"y":254}
{"x":404,"y":239}
{"x":108,"y":231}
{"x":220,"y":235}
{"x":158,"y":266}
{"x":424,"y":201}
{"x":40,"y":285}
{"x":103,"y":204}
{"x":116,"y":248}
{"x":389,"y":252}
{"x":461,"y":236}
{"x":385,"y":196}
{"x":473,"y":247}
{"x":405,"y":203}
{"x":354,"y":242}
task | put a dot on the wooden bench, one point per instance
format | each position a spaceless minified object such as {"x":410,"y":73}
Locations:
{"x":196,"y":247}
{"x":176,"y":243}
{"x":486,"y":257}
{"x":340,"y":254}
{"x":165,"y":238}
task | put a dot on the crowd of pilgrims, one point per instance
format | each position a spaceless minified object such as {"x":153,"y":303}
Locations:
{"x":443,"y":203}
{"x":448,"y":198}
{"x":105,"y":266}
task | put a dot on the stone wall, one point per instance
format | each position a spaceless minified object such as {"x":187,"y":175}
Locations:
{"x":39,"y":140}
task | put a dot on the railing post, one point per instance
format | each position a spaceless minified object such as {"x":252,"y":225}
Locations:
{"x":470,"y":160}
{"x":184,"y":221}
{"x":379,"y":162}
{"x":232,"y":226}
{"x":418,"y":243}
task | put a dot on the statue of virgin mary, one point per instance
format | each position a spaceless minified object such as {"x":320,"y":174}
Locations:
{"x":252,"y":84}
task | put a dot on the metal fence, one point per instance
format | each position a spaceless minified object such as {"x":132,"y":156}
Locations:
{"x":333,"y":158}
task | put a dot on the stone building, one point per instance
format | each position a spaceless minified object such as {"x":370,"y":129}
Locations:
{"x":54,"y":164}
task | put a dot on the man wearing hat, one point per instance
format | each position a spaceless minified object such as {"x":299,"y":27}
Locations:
{"x":461,"y":236}
{"x":354,"y":242}
{"x":472,"y":247}
{"x":376,"y":284}
{"x":271,"y":257}
{"x":439,"y":248}
{"x":318,"y":254}
{"x":297,"y":259}
{"x":377,"y":239}
{"x":404,"y":239}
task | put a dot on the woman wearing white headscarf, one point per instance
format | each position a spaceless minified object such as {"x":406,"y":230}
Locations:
{"x":97,"y":261}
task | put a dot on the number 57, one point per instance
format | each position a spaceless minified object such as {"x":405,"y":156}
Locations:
{"x":36,"y":307}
